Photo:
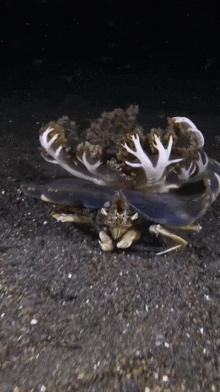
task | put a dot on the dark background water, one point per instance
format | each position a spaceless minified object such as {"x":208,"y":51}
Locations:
{"x":96,"y":43}
{"x":79,"y":58}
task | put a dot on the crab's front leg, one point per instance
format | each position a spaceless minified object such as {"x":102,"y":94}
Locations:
{"x":128,"y":239}
{"x":120,"y":223}
{"x":105,"y":242}
{"x":125,"y":242}
{"x":76,"y":218}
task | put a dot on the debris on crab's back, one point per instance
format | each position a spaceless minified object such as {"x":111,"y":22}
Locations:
{"x":114,"y":149}
{"x":162,"y":176}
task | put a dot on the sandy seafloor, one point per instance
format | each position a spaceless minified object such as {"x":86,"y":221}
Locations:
{"x":74,"y":318}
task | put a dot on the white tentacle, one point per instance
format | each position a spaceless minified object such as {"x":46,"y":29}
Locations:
{"x":58,"y":157}
{"x":153,"y":173}
{"x":191,"y":127}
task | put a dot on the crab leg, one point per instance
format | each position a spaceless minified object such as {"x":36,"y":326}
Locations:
{"x":195,"y":227}
{"x":105,"y":242}
{"x":128,"y":239}
{"x":158,"y":229}
{"x":71,"y":218}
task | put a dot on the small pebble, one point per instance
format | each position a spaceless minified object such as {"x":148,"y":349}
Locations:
{"x":33,"y":321}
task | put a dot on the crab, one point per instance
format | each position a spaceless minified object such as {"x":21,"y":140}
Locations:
{"x":164,"y":178}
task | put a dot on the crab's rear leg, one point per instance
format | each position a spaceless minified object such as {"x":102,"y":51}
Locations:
{"x":195,"y":227}
{"x":158,"y":229}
